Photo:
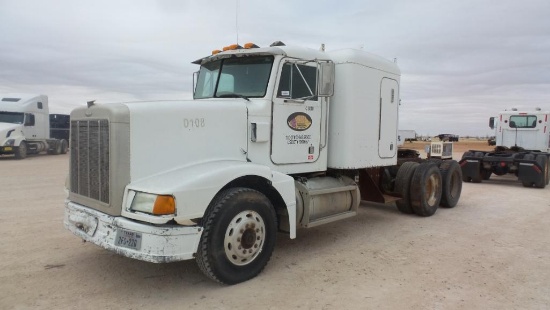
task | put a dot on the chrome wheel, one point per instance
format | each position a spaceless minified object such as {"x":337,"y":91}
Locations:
{"x":244,"y":238}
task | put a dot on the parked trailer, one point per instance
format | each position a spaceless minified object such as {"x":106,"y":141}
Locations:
{"x":25,"y":126}
{"x":60,"y":127}
{"x":522,"y":148}
{"x":276,"y":139}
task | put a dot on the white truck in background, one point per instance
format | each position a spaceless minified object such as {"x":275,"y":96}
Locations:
{"x":25,"y":126}
{"x":276,"y":138}
{"x":522,"y":141}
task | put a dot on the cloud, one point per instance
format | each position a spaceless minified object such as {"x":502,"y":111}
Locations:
{"x":461,"y":62}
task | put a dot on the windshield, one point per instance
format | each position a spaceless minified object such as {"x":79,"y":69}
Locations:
{"x":523,"y":121}
{"x":234,"y":77}
{"x":12,"y":117}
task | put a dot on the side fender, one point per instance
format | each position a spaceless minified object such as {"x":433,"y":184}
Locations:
{"x":195,"y":186}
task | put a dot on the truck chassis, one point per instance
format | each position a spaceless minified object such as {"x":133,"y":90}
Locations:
{"x":530,"y":167}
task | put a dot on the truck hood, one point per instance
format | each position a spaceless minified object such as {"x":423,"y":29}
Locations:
{"x":5,"y":127}
{"x":169,"y":135}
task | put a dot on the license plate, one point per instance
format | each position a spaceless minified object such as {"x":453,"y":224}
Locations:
{"x":128,"y":239}
{"x":8,"y":148}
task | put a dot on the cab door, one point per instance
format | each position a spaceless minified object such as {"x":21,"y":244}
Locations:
{"x":296,"y":116}
{"x":389,"y":101}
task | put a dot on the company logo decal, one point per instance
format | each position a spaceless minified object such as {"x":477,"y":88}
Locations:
{"x":299,"y":121}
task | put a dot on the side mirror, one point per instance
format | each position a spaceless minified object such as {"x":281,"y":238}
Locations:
{"x":492,"y":122}
{"x":326,"y":79}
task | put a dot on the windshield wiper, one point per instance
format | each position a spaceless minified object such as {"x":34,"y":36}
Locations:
{"x":233,"y":95}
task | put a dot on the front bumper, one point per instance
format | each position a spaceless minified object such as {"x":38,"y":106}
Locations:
{"x":157,"y":243}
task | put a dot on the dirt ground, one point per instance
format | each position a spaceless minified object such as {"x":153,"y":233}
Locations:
{"x":492,"y":251}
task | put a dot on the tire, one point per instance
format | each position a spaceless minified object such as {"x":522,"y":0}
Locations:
{"x":64,"y":146}
{"x":426,"y":189}
{"x":542,"y":160}
{"x":238,"y":218}
{"x":21,"y":150}
{"x":436,"y":161}
{"x":403,"y":185}
{"x":528,"y":157}
{"x":451,"y":182}
{"x":57,"y":149}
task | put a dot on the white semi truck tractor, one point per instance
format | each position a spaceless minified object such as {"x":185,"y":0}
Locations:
{"x":25,"y":126}
{"x":276,"y":139}
{"x":522,"y":148}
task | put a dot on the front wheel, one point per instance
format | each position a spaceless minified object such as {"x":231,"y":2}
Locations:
{"x":21,"y":150}
{"x":239,"y":235}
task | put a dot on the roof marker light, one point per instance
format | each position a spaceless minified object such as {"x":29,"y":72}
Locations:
{"x":232,"y":47}
{"x":250,"y":45}
{"x":214,"y":52}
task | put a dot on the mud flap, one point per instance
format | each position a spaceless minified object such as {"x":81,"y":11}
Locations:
{"x":529,"y":172}
{"x":470,"y":168}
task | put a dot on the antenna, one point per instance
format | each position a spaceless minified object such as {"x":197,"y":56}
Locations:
{"x":237,"y":20}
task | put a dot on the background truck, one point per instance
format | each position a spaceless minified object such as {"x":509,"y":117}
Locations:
{"x":25,"y":126}
{"x":275,"y":139}
{"x":447,"y":137}
{"x":522,"y":148}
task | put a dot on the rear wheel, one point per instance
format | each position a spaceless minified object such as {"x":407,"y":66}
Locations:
{"x":56,"y":150}
{"x":451,"y":180}
{"x":403,"y":185}
{"x":239,"y":236}
{"x":542,"y":160}
{"x":21,"y":150}
{"x":64,"y":146}
{"x":426,"y":189}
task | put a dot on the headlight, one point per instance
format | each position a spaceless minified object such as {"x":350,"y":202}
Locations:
{"x":9,"y":142}
{"x":153,"y":204}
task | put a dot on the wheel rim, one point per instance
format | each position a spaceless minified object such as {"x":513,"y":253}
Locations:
{"x":244,"y":238}
{"x":432,"y":184}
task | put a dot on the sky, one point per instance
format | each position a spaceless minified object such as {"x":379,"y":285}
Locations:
{"x":461,"y":62}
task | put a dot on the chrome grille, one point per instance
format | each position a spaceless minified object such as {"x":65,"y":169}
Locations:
{"x":90,"y":158}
